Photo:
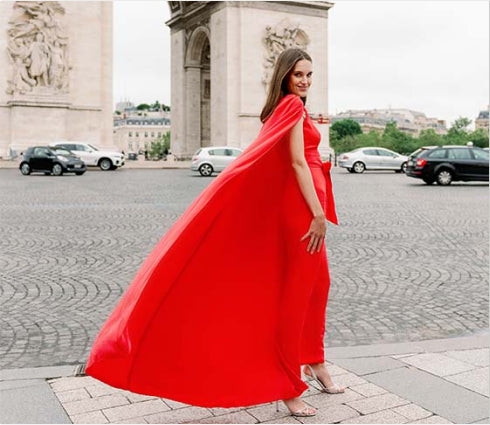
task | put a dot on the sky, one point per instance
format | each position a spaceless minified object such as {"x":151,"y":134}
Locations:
{"x":428,"y":56}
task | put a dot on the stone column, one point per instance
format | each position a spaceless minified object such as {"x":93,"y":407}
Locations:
{"x":178,"y":131}
{"x":192,"y":109}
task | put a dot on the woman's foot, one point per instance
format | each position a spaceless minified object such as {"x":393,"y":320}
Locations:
{"x":321,"y":375}
{"x":298,"y":407}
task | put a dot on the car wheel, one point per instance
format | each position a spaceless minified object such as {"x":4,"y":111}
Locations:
{"x":428,"y":181}
{"x":402,"y":169}
{"x":25,"y":169}
{"x":206,"y":170}
{"x":444,"y":177}
{"x":350,"y":170}
{"x":57,"y":170}
{"x":80,"y":173}
{"x":105,"y":164}
{"x":359,"y":167}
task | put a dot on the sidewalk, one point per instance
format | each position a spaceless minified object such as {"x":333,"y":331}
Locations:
{"x":429,"y":382}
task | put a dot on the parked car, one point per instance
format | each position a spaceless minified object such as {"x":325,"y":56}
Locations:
{"x":372,"y":158}
{"x":92,"y":156}
{"x":445,"y":164}
{"x":216,"y":158}
{"x":51,"y":160}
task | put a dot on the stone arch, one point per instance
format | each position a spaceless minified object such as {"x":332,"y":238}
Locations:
{"x":195,"y":46}
{"x":197,"y":66}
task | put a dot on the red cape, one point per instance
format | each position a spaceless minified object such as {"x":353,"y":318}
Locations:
{"x":206,"y":299}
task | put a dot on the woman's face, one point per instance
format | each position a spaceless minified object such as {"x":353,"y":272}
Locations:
{"x":300,"y":79}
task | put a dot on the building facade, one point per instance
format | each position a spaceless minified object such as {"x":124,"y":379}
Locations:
{"x":482,"y":120}
{"x":56,"y":79}
{"x":138,"y":133}
{"x":223,"y":53}
{"x":408,"y":121}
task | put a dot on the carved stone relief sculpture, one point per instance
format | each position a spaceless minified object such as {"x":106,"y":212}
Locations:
{"x":283,"y":35}
{"x":38,"y":48}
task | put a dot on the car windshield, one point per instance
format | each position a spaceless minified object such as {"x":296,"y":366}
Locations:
{"x":60,"y":151}
{"x":416,"y":153}
{"x":92,"y":146}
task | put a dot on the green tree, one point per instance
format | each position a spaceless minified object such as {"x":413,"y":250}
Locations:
{"x":429,"y":137}
{"x":345,"y":128}
{"x":397,"y":140}
{"x":161,"y":146}
{"x":143,"y":107}
{"x":479,"y":138}
{"x":458,"y":133}
{"x":156,"y":106}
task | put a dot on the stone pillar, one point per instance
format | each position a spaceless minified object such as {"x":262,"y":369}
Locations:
{"x":178,"y":81}
{"x":192,"y":109}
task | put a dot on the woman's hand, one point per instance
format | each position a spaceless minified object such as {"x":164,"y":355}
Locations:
{"x":317,"y":231}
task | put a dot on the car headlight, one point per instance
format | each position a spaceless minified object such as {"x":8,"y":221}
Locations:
{"x":62,"y":158}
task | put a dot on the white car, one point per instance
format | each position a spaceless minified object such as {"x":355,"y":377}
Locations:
{"x":373,"y":158}
{"x":92,"y":156}
{"x":213,"y":158}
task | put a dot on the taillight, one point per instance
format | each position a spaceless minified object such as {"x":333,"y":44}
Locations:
{"x":345,"y":157}
{"x":194,"y":158}
{"x":420,"y":162}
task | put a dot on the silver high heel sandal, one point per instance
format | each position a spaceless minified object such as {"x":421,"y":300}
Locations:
{"x":332,"y":389}
{"x":304,"y":412}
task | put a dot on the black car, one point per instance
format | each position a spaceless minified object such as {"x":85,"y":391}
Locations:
{"x":445,"y":164}
{"x":51,"y":160}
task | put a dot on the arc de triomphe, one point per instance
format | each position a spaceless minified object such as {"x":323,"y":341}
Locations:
{"x":55,"y":73}
{"x":222,"y":56}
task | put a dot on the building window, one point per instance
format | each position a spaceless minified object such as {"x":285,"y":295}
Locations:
{"x":130,"y":134}
{"x":159,"y":134}
{"x":152,"y":134}
{"x":137,"y":134}
{"x":146,"y":134}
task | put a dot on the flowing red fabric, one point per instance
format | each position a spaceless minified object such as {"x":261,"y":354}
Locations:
{"x":216,"y":313}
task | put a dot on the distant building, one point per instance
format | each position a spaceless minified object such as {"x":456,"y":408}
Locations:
{"x":125,"y":106}
{"x":137,"y":133}
{"x":482,"y":120}
{"x":408,"y":121}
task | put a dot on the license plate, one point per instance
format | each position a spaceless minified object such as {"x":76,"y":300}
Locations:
{"x":78,"y":165}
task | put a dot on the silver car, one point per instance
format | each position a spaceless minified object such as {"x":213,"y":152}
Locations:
{"x":372,"y":158}
{"x":213,"y":158}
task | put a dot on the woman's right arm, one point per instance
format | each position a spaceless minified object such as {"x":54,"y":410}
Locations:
{"x":318,"y":225}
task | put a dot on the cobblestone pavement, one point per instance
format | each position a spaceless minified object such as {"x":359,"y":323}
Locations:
{"x":408,"y":261}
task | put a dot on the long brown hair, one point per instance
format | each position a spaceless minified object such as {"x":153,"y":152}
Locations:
{"x":278,"y":86}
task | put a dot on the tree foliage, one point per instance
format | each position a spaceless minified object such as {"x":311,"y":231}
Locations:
{"x":398,"y":141}
{"x":345,"y":128}
{"x":161,"y":146}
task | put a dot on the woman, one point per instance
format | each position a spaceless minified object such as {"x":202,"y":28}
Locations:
{"x":231,"y":301}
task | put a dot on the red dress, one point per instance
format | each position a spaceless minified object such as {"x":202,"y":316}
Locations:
{"x":229,"y":303}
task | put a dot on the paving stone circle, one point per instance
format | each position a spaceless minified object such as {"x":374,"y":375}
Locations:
{"x":408,"y":262}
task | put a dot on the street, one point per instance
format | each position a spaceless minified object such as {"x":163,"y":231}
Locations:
{"x":408,"y":261}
